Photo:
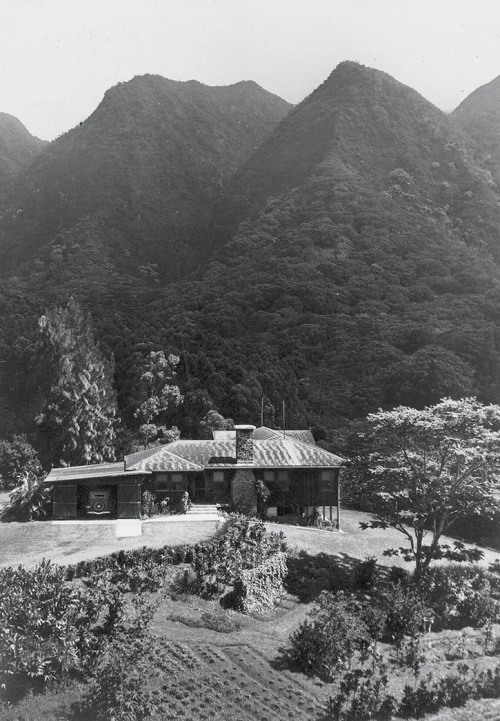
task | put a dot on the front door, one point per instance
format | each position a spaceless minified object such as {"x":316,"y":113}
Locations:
{"x":198,"y":488}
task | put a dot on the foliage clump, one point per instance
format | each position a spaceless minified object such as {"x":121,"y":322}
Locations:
{"x":30,"y":501}
{"x":18,"y":459}
{"x":77,"y":415}
{"x":430,"y":467}
{"x":49,"y":629}
{"x":328,"y":642}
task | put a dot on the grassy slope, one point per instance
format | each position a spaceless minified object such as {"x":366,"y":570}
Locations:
{"x":28,"y":543}
{"x":353,"y":542}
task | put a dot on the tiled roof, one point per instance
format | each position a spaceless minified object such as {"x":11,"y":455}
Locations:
{"x":296,"y":449}
{"x":167,"y":458}
{"x":275,"y":452}
{"x":100,"y":470}
{"x":195,"y":453}
{"x":263,"y":434}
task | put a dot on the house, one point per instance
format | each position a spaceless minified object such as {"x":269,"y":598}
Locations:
{"x":300,"y":475}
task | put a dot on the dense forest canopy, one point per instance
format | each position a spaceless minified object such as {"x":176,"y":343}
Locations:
{"x":349,"y":262}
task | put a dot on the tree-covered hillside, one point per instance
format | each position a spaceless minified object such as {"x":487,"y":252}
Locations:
{"x":17,"y":147}
{"x":352,"y":263}
{"x":367,"y":278}
{"x":132,"y":188}
{"x":478,"y":117}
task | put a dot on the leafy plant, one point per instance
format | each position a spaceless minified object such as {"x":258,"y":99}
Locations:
{"x":461,"y":595}
{"x":149,"y":504}
{"x":31,"y":501}
{"x":329,"y":640}
{"x":406,"y":611}
{"x":49,"y":629}
{"x":366,"y":574}
{"x":118,"y":691}
{"x":184,"y":582}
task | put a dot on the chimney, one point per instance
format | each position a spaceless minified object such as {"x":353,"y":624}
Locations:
{"x":244,"y":444}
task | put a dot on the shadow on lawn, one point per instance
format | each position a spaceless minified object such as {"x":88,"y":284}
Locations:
{"x":309,"y":575}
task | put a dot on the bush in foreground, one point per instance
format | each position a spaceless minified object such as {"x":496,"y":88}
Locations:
{"x":328,"y":641}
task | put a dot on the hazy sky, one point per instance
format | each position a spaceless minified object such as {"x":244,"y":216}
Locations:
{"x":58,"y":57}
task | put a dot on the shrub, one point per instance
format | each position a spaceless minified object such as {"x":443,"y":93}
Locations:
{"x":405,"y":611}
{"x":31,"y":501}
{"x":461,"y":595}
{"x":399,"y":576}
{"x":18,"y":459}
{"x":118,"y":690}
{"x":328,"y":641}
{"x":263,"y":494}
{"x":184,"y":582}
{"x":308,"y":575}
{"x":363,"y":694}
{"x":47,"y":628}
{"x":366,"y":574}
{"x":181,"y":505}
{"x":149,"y":506}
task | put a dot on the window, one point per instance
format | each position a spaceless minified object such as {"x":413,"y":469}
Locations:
{"x":268,"y":476}
{"x":177,"y":482}
{"x":326,"y":478}
{"x":218,"y":479}
{"x":283,"y":481}
{"x":170,"y":482}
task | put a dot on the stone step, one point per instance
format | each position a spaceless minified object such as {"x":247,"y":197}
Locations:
{"x":198,"y":508}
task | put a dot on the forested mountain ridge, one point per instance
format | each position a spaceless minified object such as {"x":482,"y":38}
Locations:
{"x":17,"y":147}
{"x":363,"y":273}
{"x":133,"y":186}
{"x":372,"y":125}
{"x":478,"y":116}
{"x":353,"y":264}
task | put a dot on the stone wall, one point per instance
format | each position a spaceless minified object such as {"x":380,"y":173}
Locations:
{"x":243,"y":496}
{"x":244,"y":444}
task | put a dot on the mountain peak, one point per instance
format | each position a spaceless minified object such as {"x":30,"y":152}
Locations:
{"x":17,"y":147}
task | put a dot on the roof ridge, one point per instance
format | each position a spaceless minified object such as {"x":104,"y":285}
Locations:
{"x":320,"y":448}
{"x":186,"y":460}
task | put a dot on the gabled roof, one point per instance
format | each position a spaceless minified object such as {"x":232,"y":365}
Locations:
{"x":271,"y":449}
{"x":274,"y":451}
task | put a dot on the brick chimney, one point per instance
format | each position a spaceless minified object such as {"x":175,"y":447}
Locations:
{"x":244,"y":444}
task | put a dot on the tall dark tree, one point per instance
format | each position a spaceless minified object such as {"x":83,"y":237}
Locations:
{"x":77,"y":418}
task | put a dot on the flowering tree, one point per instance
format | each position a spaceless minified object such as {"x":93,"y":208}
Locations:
{"x":429,"y":467}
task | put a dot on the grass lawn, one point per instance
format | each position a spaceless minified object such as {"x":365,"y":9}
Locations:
{"x":29,"y":543}
{"x":354,"y":542}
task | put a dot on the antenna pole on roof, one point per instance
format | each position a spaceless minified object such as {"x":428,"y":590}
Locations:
{"x":284,"y":423}
{"x":262,"y":411}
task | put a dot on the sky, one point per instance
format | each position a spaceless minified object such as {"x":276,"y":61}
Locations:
{"x":58,"y":57}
